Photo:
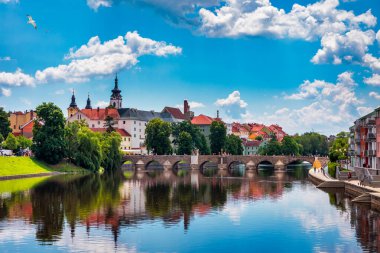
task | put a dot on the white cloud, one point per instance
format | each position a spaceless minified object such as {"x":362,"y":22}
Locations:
{"x":99,"y":59}
{"x":351,"y":46}
{"x":17,"y":78}
{"x":378,"y":37}
{"x":233,"y":105}
{"x":194,"y":105}
{"x":374,"y":95}
{"x":102,"y":104}
{"x":5,"y":58}
{"x":373,"y":80}
{"x":372,"y":62}
{"x":363,"y":110}
{"x":332,"y":107}
{"x":260,"y":17}
{"x":26,"y":101}
{"x":59,"y":92}
{"x":95,"y":4}
{"x":6,"y":92}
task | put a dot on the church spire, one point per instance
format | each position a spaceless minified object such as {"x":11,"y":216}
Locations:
{"x":88,"y":105}
{"x":73,"y":104}
{"x":116,"y":97}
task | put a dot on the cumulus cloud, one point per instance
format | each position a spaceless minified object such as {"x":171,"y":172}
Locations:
{"x":95,"y":4}
{"x":363,"y":110}
{"x":17,"y":78}
{"x":332,"y":107}
{"x":99,"y":59}
{"x":374,"y":80}
{"x":372,"y":62}
{"x":233,"y":105}
{"x":351,"y":46}
{"x":8,"y":1}
{"x":378,"y":37}
{"x":6,"y":92}
{"x":59,"y":92}
{"x":374,"y":95}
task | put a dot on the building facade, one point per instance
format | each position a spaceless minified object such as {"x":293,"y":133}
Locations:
{"x":22,"y":120}
{"x":364,"y":141}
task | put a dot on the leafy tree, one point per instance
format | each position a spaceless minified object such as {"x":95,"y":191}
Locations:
{"x":88,"y":154}
{"x":204,"y":148}
{"x":259,"y":138}
{"x":48,"y":133}
{"x":289,"y":146}
{"x":1,"y":140}
{"x":194,"y":131}
{"x":157,"y":137}
{"x":234,"y":145}
{"x":339,"y":148}
{"x":11,"y":142}
{"x":4,"y":123}
{"x":23,"y":142}
{"x":71,"y":137}
{"x":109,"y":123}
{"x":313,"y":143}
{"x":110,"y":151}
{"x":273,"y":147}
{"x":217,"y":137}
{"x":185,"y":144}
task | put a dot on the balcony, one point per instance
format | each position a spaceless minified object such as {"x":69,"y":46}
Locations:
{"x":370,"y":137}
{"x":357,"y":139}
{"x":370,"y":122}
{"x":370,"y":153}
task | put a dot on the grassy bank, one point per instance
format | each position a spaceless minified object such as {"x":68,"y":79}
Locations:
{"x":17,"y":185}
{"x":13,"y":166}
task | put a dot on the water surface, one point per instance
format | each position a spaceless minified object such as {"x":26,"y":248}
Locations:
{"x":184,"y":211}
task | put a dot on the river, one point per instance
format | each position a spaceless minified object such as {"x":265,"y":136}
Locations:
{"x":183,"y":212}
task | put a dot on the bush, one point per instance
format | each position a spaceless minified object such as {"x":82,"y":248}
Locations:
{"x":332,"y":168}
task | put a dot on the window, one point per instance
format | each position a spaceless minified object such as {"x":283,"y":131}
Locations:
{"x":93,"y":125}
{"x":140,"y":123}
{"x":98,"y":122}
{"x":134,"y":122}
{"x":134,"y":135}
{"x":129,"y":139}
{"x":14,"y":127}
{"x":140,"y":130}
{"x":145,"y":124}
{"x":123,"y":121}
{"x":134,"y":129}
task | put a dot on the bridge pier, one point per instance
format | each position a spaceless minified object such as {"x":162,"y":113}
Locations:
{"x":279,"y":168}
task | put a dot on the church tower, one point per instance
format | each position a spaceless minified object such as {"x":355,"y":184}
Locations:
{"x":73,"y":108}
{"x":116,"y":97}
{"x":88,"y":105}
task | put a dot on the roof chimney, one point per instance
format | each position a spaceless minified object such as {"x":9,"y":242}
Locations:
{"x":217,"y":114}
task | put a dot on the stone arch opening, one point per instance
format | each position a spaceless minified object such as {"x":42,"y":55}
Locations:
{"x":237,"y":169}
{"x":209,"y":168}
{"x":181,"y":168}
{"x":154,"y":166}
{"x":265,"y":165}
{"x":128,"y":165}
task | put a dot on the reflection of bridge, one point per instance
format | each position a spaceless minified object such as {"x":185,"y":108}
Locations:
{"x":141,"y":162}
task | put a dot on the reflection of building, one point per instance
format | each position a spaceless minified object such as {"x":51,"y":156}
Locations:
{"x":364,"y":141}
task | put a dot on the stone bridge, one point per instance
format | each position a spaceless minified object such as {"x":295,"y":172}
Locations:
{"x":141,"y":162}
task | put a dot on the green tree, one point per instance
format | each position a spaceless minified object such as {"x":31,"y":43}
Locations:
{"x":4,"y":123}
{"x":23,"y":142}
{"x":313,"y":143}
{"x":1,"y":140}
{"x":339,"y":148}
{"x":234,"y":145}
{"x":259,"y":138}
{"x":88,"y":154}
{"x":48,"y":133}
{"x":217,"y":137}
{"x":289,"y":146}
{"x":111,"y":151}
{"x":109,"y":123}
{"x":185,"y":144}
{"x":194,"y":131}
{"x":157,"y":137}
{"x":204,"y":148}
{"x":273,"y":147}
{"x":71,"y":138}
{"x":11,"y":142}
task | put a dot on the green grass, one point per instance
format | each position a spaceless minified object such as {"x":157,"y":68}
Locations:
{"x":128,"y":162}
{"x":12,"y":166}
{"x":17,"y":185}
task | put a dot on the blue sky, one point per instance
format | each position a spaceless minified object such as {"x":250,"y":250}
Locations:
{"x":306,"y":65}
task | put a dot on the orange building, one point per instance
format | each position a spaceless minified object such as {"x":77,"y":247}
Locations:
{"x":19,"y":119}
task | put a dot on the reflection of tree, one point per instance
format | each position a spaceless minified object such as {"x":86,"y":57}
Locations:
{"x":158,"y":200}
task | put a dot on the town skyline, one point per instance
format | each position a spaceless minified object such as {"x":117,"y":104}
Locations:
{"x":320,"y":80}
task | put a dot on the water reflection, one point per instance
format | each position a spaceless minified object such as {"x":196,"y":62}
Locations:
{"x":112,"y":205}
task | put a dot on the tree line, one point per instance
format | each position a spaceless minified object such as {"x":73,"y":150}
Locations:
{"x":182,"y":138}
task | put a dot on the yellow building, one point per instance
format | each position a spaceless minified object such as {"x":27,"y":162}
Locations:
{"x":18,"y":119}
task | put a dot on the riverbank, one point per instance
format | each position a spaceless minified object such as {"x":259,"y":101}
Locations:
{"x":360,"y":193}
{"x":24,"y":167}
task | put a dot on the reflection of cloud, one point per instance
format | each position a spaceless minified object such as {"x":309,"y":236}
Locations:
{"x":16,"y":233}
{"x":234,"y":210}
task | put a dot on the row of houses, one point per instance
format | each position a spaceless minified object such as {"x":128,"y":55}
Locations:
{"x":364,"y":141}
{"x":130,"y":123}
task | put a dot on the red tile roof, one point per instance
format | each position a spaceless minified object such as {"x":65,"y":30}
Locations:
{"x":175,"y":112}
{"x":100,"y":114}
{"x":122,"y":132}
{"x":202,"y":120}
{"x":254,"y":143}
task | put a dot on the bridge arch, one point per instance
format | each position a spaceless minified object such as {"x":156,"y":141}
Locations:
{"x":266,"y":163}
{"x":181,"y":168}
{"x":156,"y":165}
{"x":208,"y":168}
{"x":237,"y":168}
